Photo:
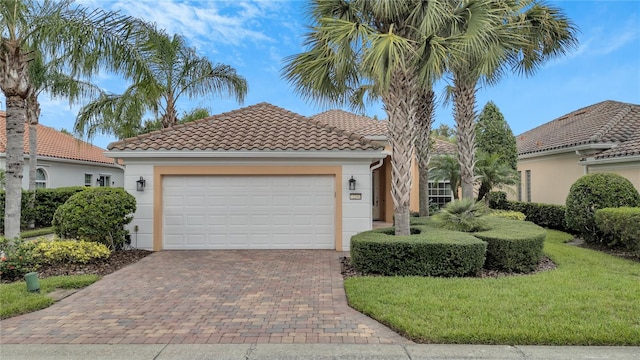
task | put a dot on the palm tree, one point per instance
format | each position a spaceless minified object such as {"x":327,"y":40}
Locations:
{"x":520,"y":35}
{"x":493,"y":172}
{"x":88,"y":40}
{"x":384,"y":45}
{"x":424,"y":119}
{"x":172,"y":70}
{"x":446,"y":168}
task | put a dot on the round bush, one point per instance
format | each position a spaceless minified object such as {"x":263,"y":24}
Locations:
{"x":96,"y":214}
{"x":431,"y":252}
{"x":597,"y":191}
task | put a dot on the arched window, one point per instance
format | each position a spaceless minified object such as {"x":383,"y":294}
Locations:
{"x":41,"y":179}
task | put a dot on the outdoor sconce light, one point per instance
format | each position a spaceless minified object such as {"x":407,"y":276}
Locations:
{"x":140,"y":184}
{"x":352,"y":183}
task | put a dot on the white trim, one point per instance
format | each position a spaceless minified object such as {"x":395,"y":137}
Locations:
{"x":68,"y":161}
{"x":614,"y":160}
{"x":339,"y":154}
{"x":600,"y":146}
{"x":377,"y":138}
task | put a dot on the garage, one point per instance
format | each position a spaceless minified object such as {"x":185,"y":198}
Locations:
{"x":260,"y":177}
{"x":248,"y":212}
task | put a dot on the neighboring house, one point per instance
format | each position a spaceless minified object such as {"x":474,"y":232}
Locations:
{"x":382,"y":203}
{"x":259,"y":177}
{"x":604,"y":137}
{"x":64,"y":160}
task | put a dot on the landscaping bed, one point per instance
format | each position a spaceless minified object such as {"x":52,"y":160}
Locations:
{"x":115,"y":262}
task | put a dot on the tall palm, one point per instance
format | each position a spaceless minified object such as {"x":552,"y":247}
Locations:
{"x":446,"y":168}
{"x":88,"y":40}
{"x":519,"y":35}
{"x":378,"y":44}
{"x":173,"y":69}
{"x":424,"y":120}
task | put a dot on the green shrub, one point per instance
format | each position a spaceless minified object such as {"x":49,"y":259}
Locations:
{"x":513,"y":245}
{"x":550,"y":216}
{"x":69,"y":251}
{"x":16,"y":258}
{"x":96,"y":214}
{"x":465,"y":215}
{"x":597,"y":191}
{"x":46,"y":203}
{"x":433,"y":252}
{"x":507,"y":214}
{"x":621,"y":226}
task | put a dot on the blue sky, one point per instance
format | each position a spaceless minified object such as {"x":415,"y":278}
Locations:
{"x":255,"y":36}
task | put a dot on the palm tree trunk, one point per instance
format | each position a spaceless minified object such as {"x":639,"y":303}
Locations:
{"x":14,"y":81}
{"x":398,"y":104}
{"x":464,"y":97}
{"x":170,"y":116}
{"x":424,"y":119}
{"x":16,"y":115}
{"x":33,"y":114}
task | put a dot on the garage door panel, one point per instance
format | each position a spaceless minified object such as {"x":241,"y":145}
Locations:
{"x":237,"y":212}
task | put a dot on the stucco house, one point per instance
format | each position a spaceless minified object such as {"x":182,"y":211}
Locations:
{"x":64,"y":160}
{"x":376,"y":131}
{"x":604,"y":137}
{"x":259,"y":177}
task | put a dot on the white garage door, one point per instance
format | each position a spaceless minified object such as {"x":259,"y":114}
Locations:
{"x":248,"y":212}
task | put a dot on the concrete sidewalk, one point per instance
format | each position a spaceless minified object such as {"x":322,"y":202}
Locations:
{"x":312,"y":351}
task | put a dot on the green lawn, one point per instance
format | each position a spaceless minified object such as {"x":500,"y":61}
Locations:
{"x":16,"y":300}
{"x":591,"y":299}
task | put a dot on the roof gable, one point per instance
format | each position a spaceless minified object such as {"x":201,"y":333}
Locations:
{"x":55,"y":144}
{"x":602,"y":123}
{"x":261,"y":127}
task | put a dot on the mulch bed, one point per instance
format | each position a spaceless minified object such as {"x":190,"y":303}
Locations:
{"x":115,"y":262}
{"x":605,"y":249}
{"x":545,"y":264}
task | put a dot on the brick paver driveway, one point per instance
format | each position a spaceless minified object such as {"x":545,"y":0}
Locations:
{"x":232,"y":296}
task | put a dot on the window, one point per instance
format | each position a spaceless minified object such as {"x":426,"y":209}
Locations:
{"x":439,"y":193}
{"x":104,"y":180}
{"x":528,"y":176}
{"x":88,"y":179}
{"x":519,"y":185}
{"x":41,"y":179}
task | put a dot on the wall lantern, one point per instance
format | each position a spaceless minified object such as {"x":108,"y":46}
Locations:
{"x":352,"y":183}
{"x":140,"y":184}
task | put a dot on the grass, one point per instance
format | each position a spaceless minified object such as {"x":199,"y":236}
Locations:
{"x":591,"y":299}
{"x":16,"y":300}
{"x":36,"y":232}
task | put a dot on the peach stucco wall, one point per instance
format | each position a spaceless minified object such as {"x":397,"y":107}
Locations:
{"x":551,"y":177}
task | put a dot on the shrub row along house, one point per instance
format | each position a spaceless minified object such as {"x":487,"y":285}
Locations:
{"x":604,"y":137}
{"x":64,"y":160}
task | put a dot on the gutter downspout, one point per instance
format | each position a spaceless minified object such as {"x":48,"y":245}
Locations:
{"x":376,"y":166}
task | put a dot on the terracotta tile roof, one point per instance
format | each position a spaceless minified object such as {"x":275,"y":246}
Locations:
{"x":357,"y":124}
{"x":259,"y":127}
{"x":367,"y":126}
{"x":55,"y":144}
{"x":630,"y":147}
{"x":604,"y":122}
{"x":442,"y":147}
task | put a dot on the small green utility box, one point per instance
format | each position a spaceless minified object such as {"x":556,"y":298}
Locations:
{"x":33,"y":284}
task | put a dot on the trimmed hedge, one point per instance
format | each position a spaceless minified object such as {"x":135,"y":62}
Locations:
{"x":432,"y":252}
{"x":47,"y":202}
{"x":621,"y":226}
{"x":597,"y":191}
{"x":546,"y":215}
{"x":508,"y":214}
{"x":96,"y":214}
{"x":513,"y":245}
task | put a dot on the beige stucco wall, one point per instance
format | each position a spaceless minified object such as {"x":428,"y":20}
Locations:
{"x":629,"y":170}
{"x":551,"y":177}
